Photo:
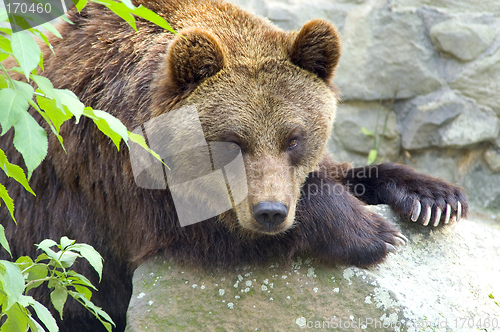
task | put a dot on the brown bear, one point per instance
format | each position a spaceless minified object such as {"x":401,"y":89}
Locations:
{"x":267,"y":93}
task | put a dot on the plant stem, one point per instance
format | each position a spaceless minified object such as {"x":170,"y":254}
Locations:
{"x":38,"y":280}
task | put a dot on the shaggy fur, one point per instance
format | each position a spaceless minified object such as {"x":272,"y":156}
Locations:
{"x":267,"y":90}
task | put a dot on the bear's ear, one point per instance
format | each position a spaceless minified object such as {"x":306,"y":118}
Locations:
{"x":316,"y":48}
{"x":193,"y":58}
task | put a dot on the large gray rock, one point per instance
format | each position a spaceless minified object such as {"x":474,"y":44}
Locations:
{"x":492,"y":158}
{"x":481,"y":81}
{"x":442,"y":279}
{"x":385,"y":52}
{"x":292,"y":15}
{"x":353,"y":116}
{"x":483,"y":186}
{"x":464,"y":41}
{"x":445,"y":119}
{"x":451,"y":6}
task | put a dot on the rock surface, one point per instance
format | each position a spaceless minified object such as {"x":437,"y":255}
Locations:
{"x":352,"y":117}
{"x":464,"y":41}
{"x":445,"y":119}
{"x":444,"y":279}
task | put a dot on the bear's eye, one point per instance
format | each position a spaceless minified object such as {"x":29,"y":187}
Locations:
{"x":293,"y":143}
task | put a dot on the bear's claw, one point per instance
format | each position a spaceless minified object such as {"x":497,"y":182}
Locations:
{"x":401,"y":239}
{"x":390,"y":248}
{"x":437,"y":216}
{"x":417,"y":207}
{"x":448,"y":214}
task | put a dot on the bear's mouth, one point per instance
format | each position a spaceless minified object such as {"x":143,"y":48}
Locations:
{"x":269,"y":229}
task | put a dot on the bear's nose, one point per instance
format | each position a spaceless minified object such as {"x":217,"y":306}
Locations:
{"x":270,"y":214}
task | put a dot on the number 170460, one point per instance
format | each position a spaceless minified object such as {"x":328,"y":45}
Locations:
{"x":23,"y":8}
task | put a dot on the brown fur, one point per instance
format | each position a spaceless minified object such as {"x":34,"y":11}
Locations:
{"x":253,"y":84}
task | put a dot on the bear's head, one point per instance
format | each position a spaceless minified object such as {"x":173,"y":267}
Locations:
{"x":268,"y":95}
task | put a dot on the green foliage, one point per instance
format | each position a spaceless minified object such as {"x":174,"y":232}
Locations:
{"x":55,"y":106}
{"x":52,"y":266}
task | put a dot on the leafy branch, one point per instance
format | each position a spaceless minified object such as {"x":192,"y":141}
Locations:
{"x":55,"y":106}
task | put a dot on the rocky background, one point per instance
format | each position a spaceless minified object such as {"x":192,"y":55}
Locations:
{"x":429,"y":70}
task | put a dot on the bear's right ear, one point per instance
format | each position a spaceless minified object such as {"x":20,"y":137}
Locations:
{"x":316,"y":48}
{"x":193,"y":58}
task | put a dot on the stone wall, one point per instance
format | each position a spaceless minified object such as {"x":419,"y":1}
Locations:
{"x":441,"y":61}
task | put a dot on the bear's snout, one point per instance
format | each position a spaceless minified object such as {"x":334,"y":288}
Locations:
{"x":270,"y":214}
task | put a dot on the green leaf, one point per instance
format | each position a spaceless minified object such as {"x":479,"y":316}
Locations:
{"x":67,"y":258}
{"x":52,"y":29}
{"x":153,"y":17}
{"x":5,"y":44}
{"x":9,"y":203}
{"x":58,"y":298}
{"x":80,"y":5}
{"x":367,"y":132}
{"x":87,"y":293}
{"x":14,"y":104}
{"x":14,"y":172}
{"x":129,"y":4}
{"x":41,"y":257}
{"x":79,"y":279}
{"x":372,"y":156}
{"x":7,"y":31}
{"x":49,"y":121}
{"x":23,"y":263}
{"x":97,"y":311}
{"x":71,"y":102}
{"x":3,"y":81}
{"x":44,"y":315}
{"x":17,"y":319}
{"x":13,"y":283}
{"x":57,"y":116}
{"x":91,"y":255}
{"x":46,"y":87}
{"x":46,"y":244}
{"x":138,"y":139}
{"x":40,"y":64}
{"x":35,"y":326}
{"x":31,"y":141}
{"x":36,"y":272}
{"x":25,"y":89}
{"x":44,"y":38}
{"x":109,"y":125}
{"x":3,"y":240}
{"x":3,"y":15}
{"x":65,"y":242}
{"x":26,"y":51}
{"x":123,"y":11}
{"x":3,"y":56}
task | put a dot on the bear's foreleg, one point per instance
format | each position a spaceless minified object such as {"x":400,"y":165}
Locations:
{"x":412,"y":195}
{"x":335,"y":226}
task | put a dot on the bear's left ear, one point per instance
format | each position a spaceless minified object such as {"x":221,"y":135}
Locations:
{"x":193,"y":58}
{"x":316,"y":48}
